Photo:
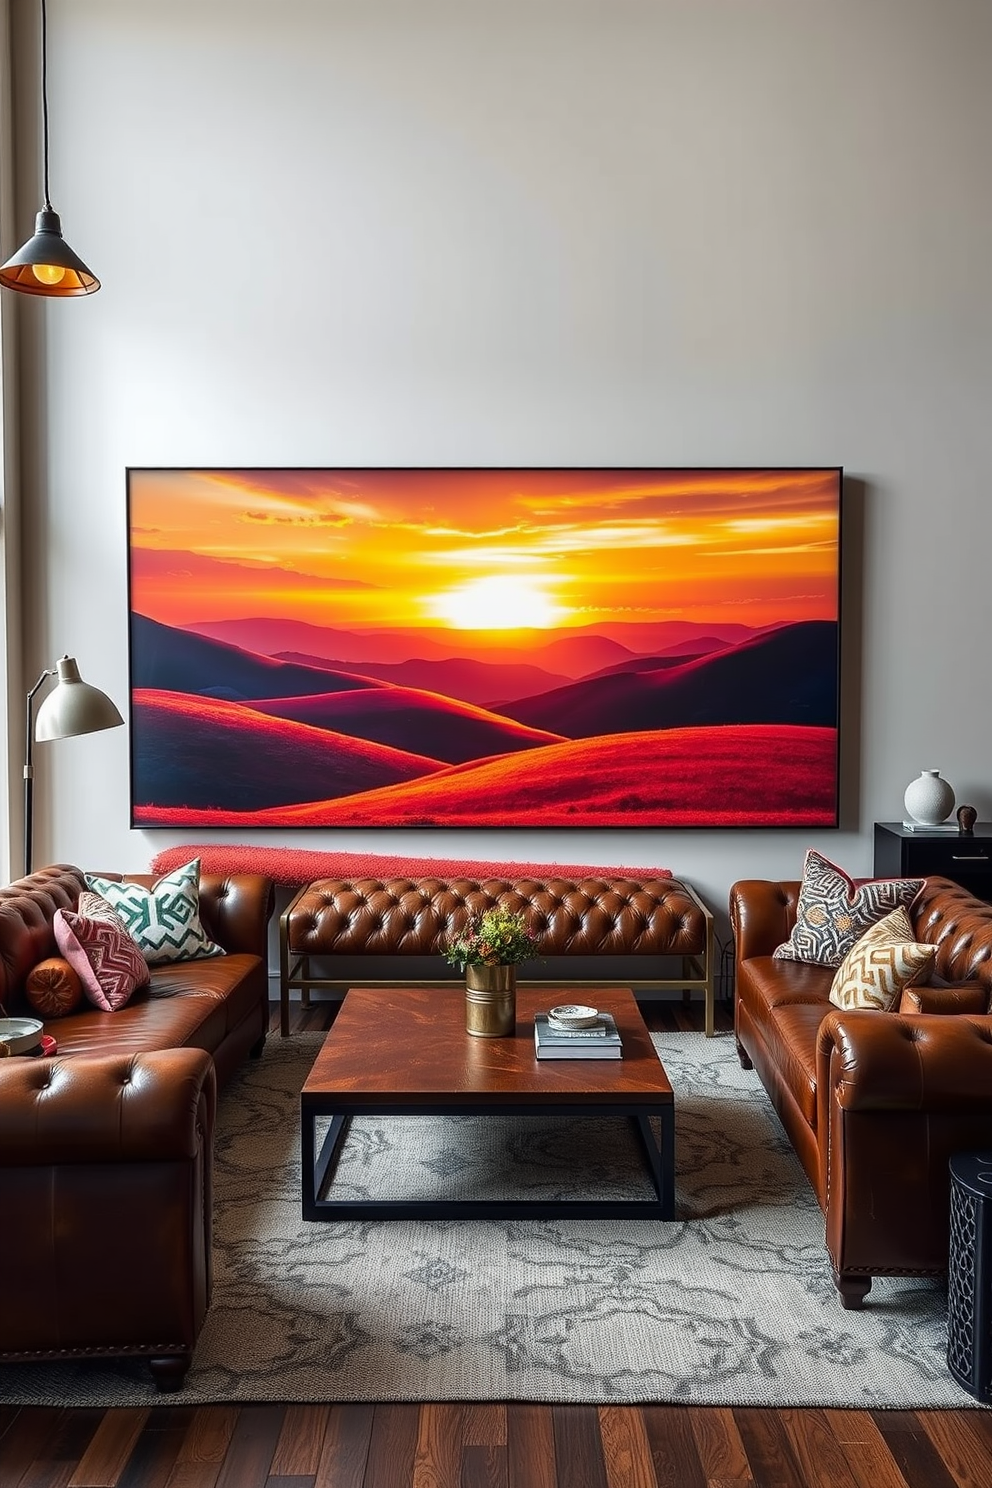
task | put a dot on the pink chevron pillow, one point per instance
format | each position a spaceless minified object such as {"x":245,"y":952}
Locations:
{"x":97,"y":946}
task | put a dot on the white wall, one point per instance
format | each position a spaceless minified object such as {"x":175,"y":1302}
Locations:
{"x":372,"y":232}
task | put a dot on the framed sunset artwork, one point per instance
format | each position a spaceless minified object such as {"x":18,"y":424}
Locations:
{"x":484,"y":647}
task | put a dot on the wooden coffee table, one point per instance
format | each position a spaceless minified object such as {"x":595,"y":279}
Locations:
{"x":404,"y":1052}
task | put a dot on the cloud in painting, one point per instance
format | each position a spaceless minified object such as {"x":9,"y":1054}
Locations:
{"x":154,"y":568}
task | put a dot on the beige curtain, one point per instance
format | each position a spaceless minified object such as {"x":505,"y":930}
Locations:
{"x":12,"y":687}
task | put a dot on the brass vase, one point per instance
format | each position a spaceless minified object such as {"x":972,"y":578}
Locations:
{"x":490,"y":1001}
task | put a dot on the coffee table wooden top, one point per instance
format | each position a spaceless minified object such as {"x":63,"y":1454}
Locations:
{"x":410,"y":1042}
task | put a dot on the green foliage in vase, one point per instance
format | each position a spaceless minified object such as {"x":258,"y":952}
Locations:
{"x":497,"y":937}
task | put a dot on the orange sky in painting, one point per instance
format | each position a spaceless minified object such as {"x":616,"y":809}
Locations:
{"x":484,"y":549}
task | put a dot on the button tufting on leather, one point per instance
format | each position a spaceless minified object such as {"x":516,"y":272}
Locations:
{"x":593,"y":915}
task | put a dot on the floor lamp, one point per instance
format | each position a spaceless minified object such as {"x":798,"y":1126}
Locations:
{"x":72,"y":707}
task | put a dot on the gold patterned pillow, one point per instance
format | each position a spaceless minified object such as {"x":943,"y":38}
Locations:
{"x":884,"y":961}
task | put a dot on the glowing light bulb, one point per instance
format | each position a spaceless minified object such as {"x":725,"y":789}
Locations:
{"x":48,"y":273}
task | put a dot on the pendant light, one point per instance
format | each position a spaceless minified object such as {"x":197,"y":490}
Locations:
{"x":46,"y":265}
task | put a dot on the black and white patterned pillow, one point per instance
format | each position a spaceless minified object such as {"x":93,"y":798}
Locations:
{"x":833,"y":912}
{"x":164,"y":920}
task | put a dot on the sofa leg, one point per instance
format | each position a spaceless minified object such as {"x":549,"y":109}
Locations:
{"x":853,"y":1288}
{"x":744,"y":1056}
{"x":255,"y":1052}
{"x":169,"y":1371}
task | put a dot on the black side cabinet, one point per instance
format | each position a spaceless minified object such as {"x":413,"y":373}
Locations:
{"x":900,"y":853}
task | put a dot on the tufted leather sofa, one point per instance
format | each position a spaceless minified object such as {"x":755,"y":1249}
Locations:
{"x":105,"y":1147}
{"x":577,"y":920}
{"x":874,"y":1103}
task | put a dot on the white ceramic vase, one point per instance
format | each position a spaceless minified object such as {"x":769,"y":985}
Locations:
{"x":929,"y":799}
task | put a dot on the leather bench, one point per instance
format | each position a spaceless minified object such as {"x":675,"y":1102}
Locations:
{"x":589,"y":918}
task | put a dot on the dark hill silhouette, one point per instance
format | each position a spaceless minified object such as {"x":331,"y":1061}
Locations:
{"x":198,"y":753}
{"x":671,"y":656}
{"x":651,"y":637}
{"x":788,"y":675}
{"x":699,"y":646}
{"x":459,"y":677}
{"x":411,"y":719}
{"x":574,"y":650}
{"x":270,"y":635}
{"x":568,"y":652}
{"x":172,"y":660}
{"x":577,"y":655}
{"x":756,"y":775}
{"x":645,"y":664}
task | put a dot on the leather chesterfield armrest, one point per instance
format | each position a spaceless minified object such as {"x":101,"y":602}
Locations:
{"x":762,"y":915}
{"x":871,"y":1061}
{"x":237,"y":908}
{"x":968,"y":997}
{"x":151,"y":1107}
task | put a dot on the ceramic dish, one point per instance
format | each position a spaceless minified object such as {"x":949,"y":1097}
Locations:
{"x":573,"y":1015}
{"x":18,"y":1035}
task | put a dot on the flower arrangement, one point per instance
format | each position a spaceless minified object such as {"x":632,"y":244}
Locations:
{"x":496,"y":937}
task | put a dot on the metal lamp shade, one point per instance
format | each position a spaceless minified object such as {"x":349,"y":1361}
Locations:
{"x":74,"y":707}
{"x":46,"y":265}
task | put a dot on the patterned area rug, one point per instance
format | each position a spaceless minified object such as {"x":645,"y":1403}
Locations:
{"x":730,"y":1305}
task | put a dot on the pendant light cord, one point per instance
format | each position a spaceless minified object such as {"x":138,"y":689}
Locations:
{"x":44,"y":99}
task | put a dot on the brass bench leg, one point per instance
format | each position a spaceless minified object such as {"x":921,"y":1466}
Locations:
{"x":289,"y":970}
{"x":283,"y":978}
{"x":710,"y":974}
{"x":703,"y":967}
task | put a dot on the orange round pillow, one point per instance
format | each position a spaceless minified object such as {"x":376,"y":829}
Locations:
{"x":53,"y":988}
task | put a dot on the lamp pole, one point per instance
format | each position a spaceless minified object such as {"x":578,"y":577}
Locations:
{"x":29,"y":769}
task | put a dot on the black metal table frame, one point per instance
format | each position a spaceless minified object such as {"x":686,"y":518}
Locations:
{"x":660,"y":1158}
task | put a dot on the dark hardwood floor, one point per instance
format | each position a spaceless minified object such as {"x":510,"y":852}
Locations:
{"x":493,"y":1445}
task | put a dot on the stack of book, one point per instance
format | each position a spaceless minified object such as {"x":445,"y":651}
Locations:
{"x":599,"y":1040}
{"x":944,"y":826}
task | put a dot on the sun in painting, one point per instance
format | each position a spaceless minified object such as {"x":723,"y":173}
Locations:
{"x":497,"y":602}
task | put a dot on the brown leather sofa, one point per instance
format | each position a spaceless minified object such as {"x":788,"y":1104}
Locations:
{"x":874,"y":1103}
{"x":106,"y":1147}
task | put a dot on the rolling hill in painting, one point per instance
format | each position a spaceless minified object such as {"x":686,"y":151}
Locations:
{"x":713,"y":727}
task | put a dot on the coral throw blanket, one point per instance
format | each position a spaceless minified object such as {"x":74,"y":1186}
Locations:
{"x":292,"y":866}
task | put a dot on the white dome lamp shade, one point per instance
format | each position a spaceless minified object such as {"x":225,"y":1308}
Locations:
{"x":73,"y":707}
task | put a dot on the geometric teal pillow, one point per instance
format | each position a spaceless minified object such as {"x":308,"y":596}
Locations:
{"x":164,"y":920}
{"x":833,"y":912}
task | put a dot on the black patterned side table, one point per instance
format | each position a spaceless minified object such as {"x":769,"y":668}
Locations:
{"x":969,"y":1274}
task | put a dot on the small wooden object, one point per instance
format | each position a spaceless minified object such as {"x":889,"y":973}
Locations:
{"x":967,"y":816}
